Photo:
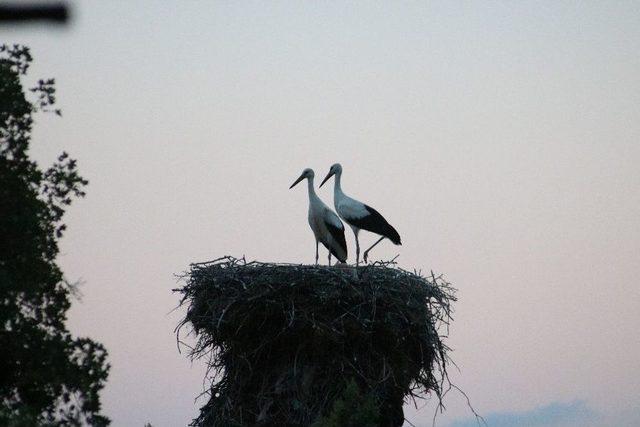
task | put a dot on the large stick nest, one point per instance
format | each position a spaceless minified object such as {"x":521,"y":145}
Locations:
{"x":282,"y":340}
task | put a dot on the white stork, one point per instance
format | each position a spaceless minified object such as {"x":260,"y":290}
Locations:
{"x":325,"y":224}
{"x":358,"y":215}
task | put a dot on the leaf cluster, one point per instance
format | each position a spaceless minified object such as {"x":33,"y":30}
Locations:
{"x":47,"y":377}
{"x":352,"y":409}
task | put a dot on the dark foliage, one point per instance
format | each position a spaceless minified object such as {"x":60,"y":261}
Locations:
{"x":286,"y":341}
{"x":352,"y":409}
{"x":47,"y":377}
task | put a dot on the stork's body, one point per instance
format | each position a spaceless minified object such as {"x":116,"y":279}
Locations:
{"x":325,"y":224}
{"x":359,"y":216}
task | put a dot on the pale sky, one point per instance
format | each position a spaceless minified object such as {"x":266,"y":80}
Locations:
{"x":501,"y":139}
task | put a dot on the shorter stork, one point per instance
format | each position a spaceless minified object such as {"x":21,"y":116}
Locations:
{"x":325,"y":224}
{"x":358,"y":215}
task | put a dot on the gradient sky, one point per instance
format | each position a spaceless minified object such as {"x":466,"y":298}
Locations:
{"x":502,"y":139}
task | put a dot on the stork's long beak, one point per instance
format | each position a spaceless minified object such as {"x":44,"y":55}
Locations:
{"x":297,"y":181}
{"x":326,"y":178}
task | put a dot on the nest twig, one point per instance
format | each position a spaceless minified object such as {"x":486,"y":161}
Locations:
{"x":282,"y":339}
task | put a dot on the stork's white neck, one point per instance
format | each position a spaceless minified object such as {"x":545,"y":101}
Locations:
{"x":337,"y":189}
{"x":312,"y":190}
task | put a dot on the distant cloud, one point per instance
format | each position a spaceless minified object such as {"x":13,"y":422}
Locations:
{"x":555,"y":414}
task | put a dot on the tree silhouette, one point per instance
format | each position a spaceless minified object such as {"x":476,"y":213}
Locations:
{"x":47,"y":376}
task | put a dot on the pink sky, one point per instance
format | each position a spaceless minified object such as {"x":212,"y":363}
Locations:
{"x":500,"y":139}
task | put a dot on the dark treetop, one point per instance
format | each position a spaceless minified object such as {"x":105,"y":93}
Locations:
{"x":47,"y":376}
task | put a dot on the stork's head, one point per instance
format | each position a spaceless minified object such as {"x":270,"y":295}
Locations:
{"x":336,"y":169}
{"x":307,"y":173}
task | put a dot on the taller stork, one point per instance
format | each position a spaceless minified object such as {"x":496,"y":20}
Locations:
{"x":325,"y":224}
{"x":358,"y":215}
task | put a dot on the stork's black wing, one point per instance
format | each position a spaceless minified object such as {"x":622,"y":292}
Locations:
{"x":338,"y":236}
{"x":376,"y":223}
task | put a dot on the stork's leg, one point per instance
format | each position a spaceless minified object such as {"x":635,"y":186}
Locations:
{"x":329,"y":258}
{"x":366,"y":253}
{"x":357,"y":249}
{"x":316,"y":252}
